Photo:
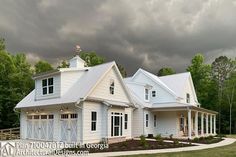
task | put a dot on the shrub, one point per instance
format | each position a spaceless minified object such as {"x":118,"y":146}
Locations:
{"x":143,"y":141}
{"x":201,"y":138}
{"x":125,"y":144}
{"x":176,"y":142}
{"x":195,"y":139}
{"x":158,"y":137}
{"x":171,"y":136}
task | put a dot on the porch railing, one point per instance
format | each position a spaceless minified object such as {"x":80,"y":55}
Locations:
{"x":10,"y":134}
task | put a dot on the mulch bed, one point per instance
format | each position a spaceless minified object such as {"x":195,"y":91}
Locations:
{"x":204,"y":140}
{"x":130,"y":145}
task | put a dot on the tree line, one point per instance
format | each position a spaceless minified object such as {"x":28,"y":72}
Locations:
{"x":215,"y":84}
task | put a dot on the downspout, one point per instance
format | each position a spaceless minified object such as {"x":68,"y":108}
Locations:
{"x":79,"y":106}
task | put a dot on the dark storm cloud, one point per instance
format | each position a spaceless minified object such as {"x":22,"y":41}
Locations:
{"x":135,"y":33}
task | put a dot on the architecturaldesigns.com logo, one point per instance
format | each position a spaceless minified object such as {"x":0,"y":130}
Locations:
{"x":7,"y":149}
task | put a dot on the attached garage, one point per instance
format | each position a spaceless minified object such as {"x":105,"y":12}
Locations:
{"x":40,"y":127}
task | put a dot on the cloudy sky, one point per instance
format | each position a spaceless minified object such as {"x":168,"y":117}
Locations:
{"x":136,"y":33}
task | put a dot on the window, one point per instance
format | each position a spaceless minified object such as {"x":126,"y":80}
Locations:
{"x":29,"y":117}
{"x":146,"y":120}
{"x":112,"y":87}
{"x":153,"y":93}
{"x":93,"y":121}
{"x":64,"y":116}
{"x":126,"y":121}
{"x":73,"y":116}
{"x":155,"y":120}
{"x":43,"y":116}
{"x":116,"y":124}
{"x":50,"y":116}
{"x":47,"y":86}
{"x":188,"y":98}
{"x":181,"y":123}
{"x":146,"y":94}
{"x":36,"y":116}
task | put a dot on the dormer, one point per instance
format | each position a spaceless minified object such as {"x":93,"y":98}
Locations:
{"x":77,"y":62}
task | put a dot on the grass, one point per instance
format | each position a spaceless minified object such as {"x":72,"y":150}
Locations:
{"x":226,"y":151}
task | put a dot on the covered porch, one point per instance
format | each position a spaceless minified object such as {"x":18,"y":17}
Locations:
{"x":191,"y":121}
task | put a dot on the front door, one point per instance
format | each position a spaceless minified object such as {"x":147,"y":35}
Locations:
{"x":116,"y":124}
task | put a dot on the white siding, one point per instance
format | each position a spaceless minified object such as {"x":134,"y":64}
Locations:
{"x":190,"y":90}
{"x":56,"y":88}
{"x":101,"y":129}
{"x":68,"y":79}
{"x":137,"y":125}
{"x":102,"y":90}
{"x":167,"y":123}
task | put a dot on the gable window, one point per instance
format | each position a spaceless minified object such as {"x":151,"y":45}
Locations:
{"x":147,"y":120}
{"x":188,"y":98}
{"x":112,"y":87}
{"x":154,"y":93}
{"x":47,"y":86}
{"x":146,"y":95}
{"x":93,"y":121}
{"x":126,"y":121}
{"x":155,"y":120}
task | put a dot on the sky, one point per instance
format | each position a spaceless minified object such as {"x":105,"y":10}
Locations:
{"x":148,"y":34}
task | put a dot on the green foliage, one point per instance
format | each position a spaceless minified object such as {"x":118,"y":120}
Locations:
{"x":176,"y":142}
{"x":196,"y":139}
{"x":165,"y":71}
{"x":171,"y":136}
{"x":158,"y":137}
{"x":91,"y":58}
{"x":63,"y":64}
{"x":2,"y":44}
{"x":143,"y":141}
{"x":15,"y":84}
{"x":122,"y":70}
{"x":42,"y":66}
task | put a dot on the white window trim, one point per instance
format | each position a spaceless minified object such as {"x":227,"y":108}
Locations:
{"x":94,"y":121}
{"x":146,"y":100}
{"x":47,"y":86}
{"x":112,"y":87}
{"x":146,"y":120}
{"x":155,"y":93}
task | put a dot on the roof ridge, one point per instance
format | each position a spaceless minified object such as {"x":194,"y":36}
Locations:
{"x":187,"y":72}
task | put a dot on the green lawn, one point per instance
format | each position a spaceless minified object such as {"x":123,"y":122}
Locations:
{"x":226,"y":151}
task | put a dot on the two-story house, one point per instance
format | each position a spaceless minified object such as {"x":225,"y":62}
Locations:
{"x":77,"y":104}
{"x":168,"y":105}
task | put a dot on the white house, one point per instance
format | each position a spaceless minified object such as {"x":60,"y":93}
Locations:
{"x":168,"y":105}
{"x":77,"y":104}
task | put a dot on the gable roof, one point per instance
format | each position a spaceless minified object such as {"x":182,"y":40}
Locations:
{"x":156,"y":79}
{"x":78,"y":92}
{"x":177,"y":82}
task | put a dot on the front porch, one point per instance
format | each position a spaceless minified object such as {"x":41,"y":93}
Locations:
{"x":191,"y":121}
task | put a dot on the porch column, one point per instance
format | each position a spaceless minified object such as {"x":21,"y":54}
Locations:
{"x":207,"y":129}
{"x":189,"y":124}
{"x":202,"y":124}
{"x":211,"y":124}
{"x":214,"y":124}
{"x":196,"y":123}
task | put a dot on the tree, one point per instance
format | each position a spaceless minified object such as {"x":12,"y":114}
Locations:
{"x":222,"y":68}
{"x":91,"y":58}
{"x":165,"y":71}
{"x":122,"y":70}
{"x":42,"y":66}
{"x":2,"y":44}
{"x":201,"y":75}
{"x":64,"y":64}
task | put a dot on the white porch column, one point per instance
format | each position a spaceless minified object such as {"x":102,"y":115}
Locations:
{"x":196,"y":123}
{"x":207,"y":129}
{"x":211,"y":124}
{"x":189,"y":124}
{"x":202,"y":124}
{"x":214,"y":124}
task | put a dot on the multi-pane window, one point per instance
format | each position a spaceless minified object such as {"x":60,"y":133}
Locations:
{"x":155,"y":120}
{"x":64,"y":116}
{"x":47,"y":86}
{"x":93,"y":121}
{"x":126,"y":121}
{"x":73,"y":116}
{"x":43,"y":116}
{"x":112,"y":87}
{"x":146,"y":94}
{"x":154,"y":93}
{"x":50,"y":116}
{"x":147,"y":120}
{"x":188,"y":98}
